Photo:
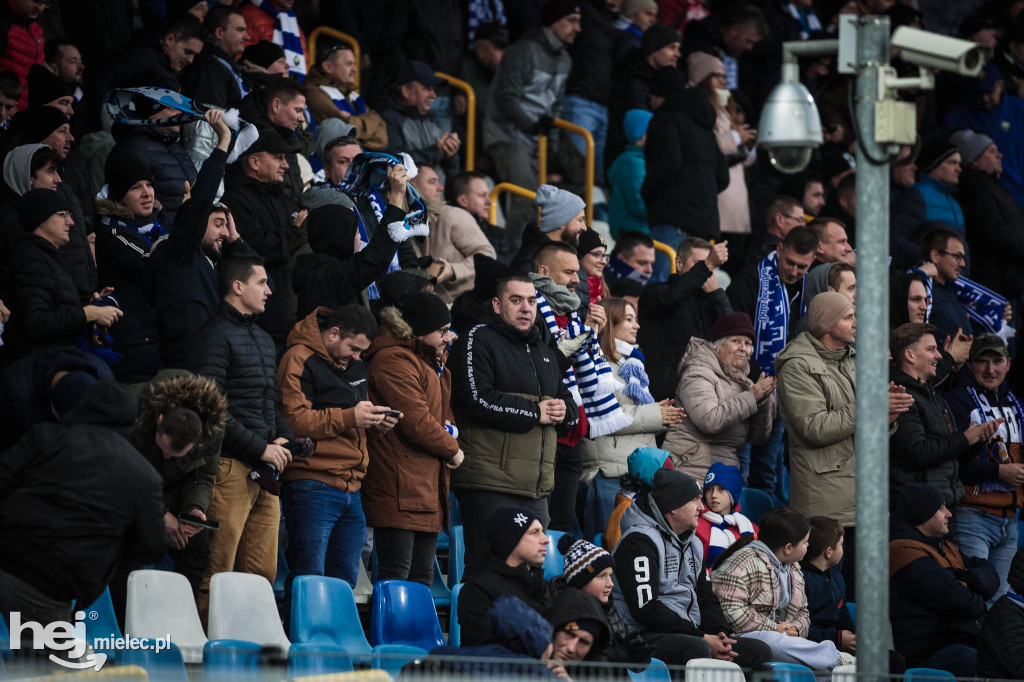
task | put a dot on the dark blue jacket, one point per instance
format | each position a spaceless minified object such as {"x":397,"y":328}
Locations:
{"x":948,"y":313}
{"x":826,"y":600}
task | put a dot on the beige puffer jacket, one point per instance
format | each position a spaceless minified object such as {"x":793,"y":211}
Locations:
{"x":721,"y":413}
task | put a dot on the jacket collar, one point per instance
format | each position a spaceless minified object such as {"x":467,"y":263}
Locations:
{"x":943,"y":187}
{"x":234,"y":315}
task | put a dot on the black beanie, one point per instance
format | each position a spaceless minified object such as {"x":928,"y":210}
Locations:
{"x":506,"y":527}
{"x":918,"y":502}
{"x":425,"y":313}
{"x":122,"y":171}
{"x":44,"y":86}
{"x":673,"y":489}
{"x":590,"y":240}
{"x":36,"y":123}
{"x":263,"y":53}
{"x":934,"y":152}
{"x":554,"y":10}
{"x":657,"y":37}
{"x":36,"y":205}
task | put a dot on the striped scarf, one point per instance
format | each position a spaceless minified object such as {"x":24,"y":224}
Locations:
{"x":589,"y":378}
{"x":772,"y":315}
{"x":481,"y":12}
{"x":725,"y":530}
{"x":149,"y":232}
{"x":353,"y":104}
{"x":287,"y":35}
{"x":243,"y":88}
{"x":633,"y":372}
{"x":983,"y":305}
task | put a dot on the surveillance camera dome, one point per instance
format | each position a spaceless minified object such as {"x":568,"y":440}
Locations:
{"x":790,"y":128}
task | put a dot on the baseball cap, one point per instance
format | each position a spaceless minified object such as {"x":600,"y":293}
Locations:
{"x":419,"y":72}
{"x":988,"y":343}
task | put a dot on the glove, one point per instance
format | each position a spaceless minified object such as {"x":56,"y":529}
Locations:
{"x":569,"y":347}
{"x":543,"y":125}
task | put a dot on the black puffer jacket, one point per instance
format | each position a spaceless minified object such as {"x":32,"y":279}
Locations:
{"x":685,"y":168}
{"x":167,"y":160}
{"x":212,"y":78}
{"x":76,"y":256}
{"x":926,"y":447}
{"x":592,"y":54}
{"x":241,"y":358}
{"x":1001,"y":642}
{"x":672,"y":312}
{"x":995,"y":223}
{"x":630,"y":89}
{"x":76,"y":499}
{"x":494,"y":578}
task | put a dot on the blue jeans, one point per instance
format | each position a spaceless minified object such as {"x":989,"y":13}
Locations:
{"x":985,"y":536}
{"x":593,"y":117}
{"x":326,"y":530}
{"x":959,"y":659}
{"x":600,"y":503}
{"x":766,"y":462}
{"x":666,"y":234}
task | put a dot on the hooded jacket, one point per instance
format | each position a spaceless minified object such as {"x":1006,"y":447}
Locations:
{"x":168,"y":161}
{"x":76,"y":499}
{"x":18,"y":167}
{"x":818,"y":403}
{"x":406,"y":484}
{"x":370,"y":127}
{"x":816,"y":283}
{"x":1001,"y":642}
{"x":747,"y":585}
{"x":187,"y":480}
{"x":318,"y":399}
{"x":685,"y":168}
{"x":572,"y":605}
{"x":721,"y":413}
{"x":899,"y":293}
{"x":17,"y":171}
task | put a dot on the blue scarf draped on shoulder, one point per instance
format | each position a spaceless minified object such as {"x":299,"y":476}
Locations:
{"x":772,"y":315}
{"x":983,"y":305}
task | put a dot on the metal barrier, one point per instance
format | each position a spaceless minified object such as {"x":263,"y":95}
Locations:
{"x":668,"y":251}
{"x":588,"y":169}
{"x":470,"y":147}
{"x":343,"y":37}
{"x":492,"y":215}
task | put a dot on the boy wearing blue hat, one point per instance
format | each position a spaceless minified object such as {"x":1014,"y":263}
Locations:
{"x":626,"y":209}
{"x":720,"y":524}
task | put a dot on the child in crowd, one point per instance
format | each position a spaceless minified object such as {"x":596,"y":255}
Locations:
{"x":761,"y":588}
{"x":826,"y":589}
{"x":720,"y":524}
{"x":626,"y":208}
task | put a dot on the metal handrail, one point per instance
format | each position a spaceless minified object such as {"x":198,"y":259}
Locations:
{"x":343,"y":37}
{"x":588,"y":169}
{"x":470,"y":153}
{"x":492,"y":215}
{"x":668,"y":251}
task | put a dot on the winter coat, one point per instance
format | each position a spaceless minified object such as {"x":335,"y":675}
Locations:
{"x":76,"y":256}
{"x":630,"y":89}
{"x":168,"y":161}
{"x":721,"y":413}
{"x":936,"y":594}
{"x":826,"y":602}
{"x":406,"y":484}
{"x":122,"y":253}
{"x":240,"y":357}
{"x":926,"y":447}
{"x":671,"y":313}
{"x":626,"y":208}
{"x":608,"y":454}
{"x":529,"y":83}
{"x":927,"y":201}
{"x":498,"y":378}
{"x":213,"y":78}
{"x":370,"y":127}
{"x":318,"y":398}
{"x":818,"y":403}
{"x":492,"y":579}
{"x":416,"y":134}
{"x":21,"y":46}
{"x":733,"y":201}
{"x":429,"y":31}
{"x":456,"y":237}
{"x":592,"y":53}
{"x":188,"y":480}
{"x":685,"y":168}
{"x":77,"y":500}
{"x":948,"y":314}
{"x":1001,"y":642}
{"x":748,"y":588}
{"x":44,"y":303}
{"x":263,"y":217}
{"x":997,"y":123}
{"x":995,"y":222}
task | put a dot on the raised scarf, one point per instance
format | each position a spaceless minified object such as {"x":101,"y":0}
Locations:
{"x":623,"y":270}
{"x":721,"y":535}
{"x":632,"y":371}
{"x":983,"y":305}
{"x":287,"y":35}
{"x":481,"y":12}
{"x":771,"y":317}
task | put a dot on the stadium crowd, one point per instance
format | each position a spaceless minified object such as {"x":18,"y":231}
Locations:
{"x":251,"y":293}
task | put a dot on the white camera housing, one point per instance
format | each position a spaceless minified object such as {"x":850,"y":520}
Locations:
{"x":935,"y":51}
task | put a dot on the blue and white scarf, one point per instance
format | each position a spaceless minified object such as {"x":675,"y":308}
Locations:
{"x":352,"y":104}
{"x":623,"y":270}
{"x":288,"y":36}
{"x":721,"y":537}
{"x":482,"y":12}
{"x":589,"y":378}
{"x":983,"y":305}
{"x":809,"y":22}
{"x":149,"y":232}
{"x":243,"y":87}
{"x":771,"y":317}
{"x":633,"y":373}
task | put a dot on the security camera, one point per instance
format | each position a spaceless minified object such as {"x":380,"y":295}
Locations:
{"x":935,"y":51}
{"x":790,"y":128}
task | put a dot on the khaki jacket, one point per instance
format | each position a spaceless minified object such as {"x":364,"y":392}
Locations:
{"x":370,"y":127}
{"x":455,"y":237}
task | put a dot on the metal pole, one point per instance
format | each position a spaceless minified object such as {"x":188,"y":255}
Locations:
{"x":872,"y":537}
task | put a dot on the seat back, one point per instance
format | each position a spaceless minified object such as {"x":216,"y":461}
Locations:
{"x":391,"y":657}
{"x":242,"y":606}
{"x":324,"y":612}
{"x":927,"y":675}
{"x":160,"y":603}
{"x":713,"y":670}
{"x":439,"y":590}
{"x":454,"y":629}
{"x":456,"y":556}
{"x":599,"y":540}
{"x":656,"y":671}
{"x":163,"y":666}
{"x":554,"y":562}
{"x":754,"y":503}
{"x":852,"y":608}
{"x":403,"y":612}
{"x":100,"y":621}
{"x":790,"y":672}
{"x":231,"y":659}
{"x":306,"y":659}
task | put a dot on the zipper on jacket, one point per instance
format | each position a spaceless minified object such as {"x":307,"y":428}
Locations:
{"x":540,"y":394}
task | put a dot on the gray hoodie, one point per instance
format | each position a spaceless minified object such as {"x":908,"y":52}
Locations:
{"x":817,"y":283}
{"x":18,"y":167}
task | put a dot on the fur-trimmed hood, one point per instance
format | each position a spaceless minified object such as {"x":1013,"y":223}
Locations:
{"x":391,"y":317}
{"x":177,"y":388}
{"x":115,"y":209}
{"x":395,"y":331}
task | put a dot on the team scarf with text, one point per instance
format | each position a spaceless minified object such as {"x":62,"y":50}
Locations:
{"x":983,"y":305}
{"x":772,"y":315}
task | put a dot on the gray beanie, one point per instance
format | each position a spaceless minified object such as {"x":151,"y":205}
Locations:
{"x":328,"y":131}
{"x":557,"y":207}
{"x":18,"y":167}
{"x":970,"y":144}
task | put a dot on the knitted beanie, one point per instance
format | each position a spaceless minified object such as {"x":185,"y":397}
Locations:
{"x":657,"y":37}
{"x":733,"y":324}
{"x":122,"y":171}
{"x":264,"y":53}
{"x":918,"y":502}
{"x":825,"y":311}
{"x":555,"y":10}
{"x":557,"y":207}
{"x":934,"y":152}
{"x":970,"y":144}
{"x":582,"y":560}
{"x":700,"y":65}
{"x":590,"y":240}
{"x":44,"y":86}
{"x":727,"y":476}
{"x":37,"y":205}
{"x":425,"y":313}
{"x":673,"y":489}
{"x":506,"y":527}
{"x":36,"y":123}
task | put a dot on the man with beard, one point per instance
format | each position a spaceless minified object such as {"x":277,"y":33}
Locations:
{"x":181,"y":279}
{"x":561,"y":220}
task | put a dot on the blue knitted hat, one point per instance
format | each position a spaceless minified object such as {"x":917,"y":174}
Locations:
{"x":635,"y":124}
{"x":728,"y":477}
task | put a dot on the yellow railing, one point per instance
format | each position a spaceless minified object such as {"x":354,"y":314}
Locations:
{"x":506,"y":187}
{"x":343,"y":37}
{"x":470,"y":146}
{"x":588,"y":169}
{"x":668,"y":251}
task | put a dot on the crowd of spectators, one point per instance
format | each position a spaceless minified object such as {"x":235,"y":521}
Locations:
{"x":251,"y":285}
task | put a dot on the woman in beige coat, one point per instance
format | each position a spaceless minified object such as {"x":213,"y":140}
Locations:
{"x":724,"y":408}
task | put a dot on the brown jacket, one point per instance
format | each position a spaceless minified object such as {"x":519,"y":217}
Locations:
{"x":370,"y":127}
{"x":406,"y":486}
{"x":318,"y":399}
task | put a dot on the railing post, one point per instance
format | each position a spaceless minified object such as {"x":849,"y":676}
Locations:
{"x":470,"y":147}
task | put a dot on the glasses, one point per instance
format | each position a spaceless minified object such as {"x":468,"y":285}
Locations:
{"x":797,"y":218}
{"x":958,"y":257}
{"x":63,"y":214}
{"x":599,"y":255}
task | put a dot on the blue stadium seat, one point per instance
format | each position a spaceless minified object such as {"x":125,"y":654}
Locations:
{"x":454,"y":629}
{"x":443,"y":540}
{"x":790,"y":672}
{"x":165,"y":666}
{"x":454,"y":512}
{"x":599,"y":540}
{"x":306,"y":659}
{"x":456,"y":556}
{"x":852,"y":608}
{"x":441,"y":593}
{"x":391,"y":657}
{"x":403,"y":612}
{"x":754,"y":503}
{"x":554,"y":562}
{"x":927,"y":675}
{"x":104,"y":625}
{"x":231,"y":659}
{"x":656,"y":671}
{"x":324,"y":612}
